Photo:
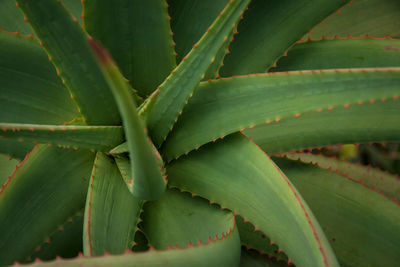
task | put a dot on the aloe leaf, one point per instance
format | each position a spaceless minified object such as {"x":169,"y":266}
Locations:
{"x":193,"y":255}
{"x":236,"y":174}
{"x":50,"y":183}
{"x":253,"y":238}
{"x":12,"y":20}
{"x":251,"y":258}
{"x":189,"y":21}
{"x":147,"y":182}
{"x":67,"y":47}
{"x":125,"y":166}
{"x":221,"y":107}
{"x":15,"y":149}
{"x":376,"y":18}
{"x":192,"y":219}
{"x":262,"y":41}
{"x":377,"y":122}
{"x":145,"y":51}
{"x":341,"y":53}
{"x":176,"y":90}
{"x":372,"y":177}
{"x":362,"y":225}
{"x":66,"y":243}
{"x":101,"y":138}
{"x":30,"y":90}
{"x":111,"y":212}
{"x":121,"y":148}
{"x":7,"y":167}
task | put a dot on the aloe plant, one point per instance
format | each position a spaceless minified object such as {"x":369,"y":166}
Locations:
{"x":141,"y":132}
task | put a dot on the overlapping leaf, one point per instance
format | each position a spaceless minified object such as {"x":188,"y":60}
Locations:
{"x":147,"y":181}
{"x":361,"y":224}
{"x":111,"y":213}
{"x":269,"y":28}
{"x":101,"y":138}
{"x":71,"y":55}
{"x":377,"y":122}
{"x":137,"y":35}
{"x":225,"y":173}
{"x":41,"y":188}
{"x":221,"y":107}
{"x":176,"y":90}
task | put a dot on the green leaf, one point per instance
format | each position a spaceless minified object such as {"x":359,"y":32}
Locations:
{"x":111,"y":213}
{"x":178,"y":219}
{"x":50,"y":183}
{"x":251,"y":258}
{"x":194,"y":255}
{"x":176,"y":90}
{"x":361,"y":224}
{"x":262,"y":41}
{"x":253,"y":238}
{"x":66,"y":243}
{"x":66,"y":44}
{"x":12,"y":20}
{"x":147,"y":182}
{"x":144,"y":50}
{"x":30,"y":90}
{"x":125,"y":166}
{"x":189,"y":21}
{"x":376,"y":18}
{"x":7,"y":167}
{"x":341,"y":53}
{"x":221,"y":107}
{"x":372,"y":177}
{"x":378,"y":122}
{"x":15,"y":149}
{"x":236,"y":174}
{"x":101,"y":138}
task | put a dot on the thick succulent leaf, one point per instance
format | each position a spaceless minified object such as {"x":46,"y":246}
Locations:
{"x":67,"y":47}
{"x":111,"y":212}
{"x":50,"y":183}
{"x":12,"y":20}
{"x":125,"y":167}
{"x":236,"y":174}
{"x":189,"y":21}
{"x":221,"y":107}
{"x":250,"y":258}
{"x":30,"y":91}
{"x":66,"y":243}
{"x":178,"y":219}
{"x":121,"y":148}
{"x":219,"y":252}
{"x":377,"y":122}
{"x":144,"y":48}
{"x":101,"y":138}
{"x":269,"y":28}
{"x":176,"y":90}
{"x":361,"y":224}
{"x":253,"y":238}
{"x":213,"y":70}
{"x":377,"y":179}
{"x":147,"y":182}
{"x":15,"y":149}
{"x":376,"y":18}
{"x":7,"y":167}
{"x":341,"y":53}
